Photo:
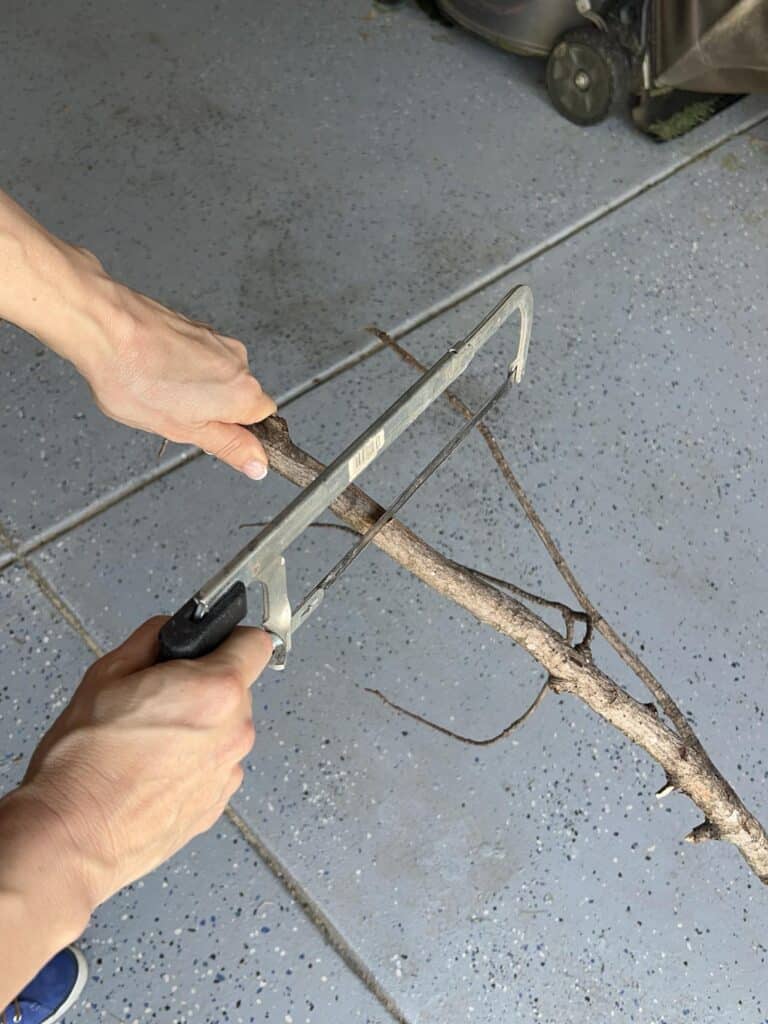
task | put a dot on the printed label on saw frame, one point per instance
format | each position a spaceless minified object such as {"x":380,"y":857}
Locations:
{"x":366,"y":455}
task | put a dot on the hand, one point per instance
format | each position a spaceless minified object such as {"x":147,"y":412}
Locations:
{"x":178,"y":378}
{"x":147,"y":366}
{"x":146,"y":756}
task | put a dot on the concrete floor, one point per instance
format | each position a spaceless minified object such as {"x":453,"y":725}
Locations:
{"x":292,"y":179}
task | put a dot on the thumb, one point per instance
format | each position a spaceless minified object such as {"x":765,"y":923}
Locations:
{"x":234,"y":445}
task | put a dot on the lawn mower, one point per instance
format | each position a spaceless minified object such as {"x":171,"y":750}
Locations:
{"x":679,"y":61}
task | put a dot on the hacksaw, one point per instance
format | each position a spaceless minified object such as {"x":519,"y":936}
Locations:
{"x":208,"y":617}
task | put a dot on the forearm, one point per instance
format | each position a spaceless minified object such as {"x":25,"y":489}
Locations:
{"x":51,"y":289}
{"x":44,"y":903}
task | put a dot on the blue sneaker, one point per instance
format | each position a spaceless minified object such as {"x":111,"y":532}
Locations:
{"x":55,"y":990}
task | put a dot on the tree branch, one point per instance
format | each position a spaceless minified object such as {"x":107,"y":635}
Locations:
{"x":596,"y":620}
{"x":685,"y":763}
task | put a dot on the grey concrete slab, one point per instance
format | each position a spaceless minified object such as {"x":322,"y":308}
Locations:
{"x":41,"y":661}
{"x":537,"y":878}
{"x":59,"y":454}
{"x":211,"y":935}
{"x":288,"y":176}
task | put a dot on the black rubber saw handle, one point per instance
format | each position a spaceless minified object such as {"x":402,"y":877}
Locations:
{"x":184,"y":636}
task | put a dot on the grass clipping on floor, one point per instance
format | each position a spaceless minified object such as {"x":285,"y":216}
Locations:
{"x":686,"y":119}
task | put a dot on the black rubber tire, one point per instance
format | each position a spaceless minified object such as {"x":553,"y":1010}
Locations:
{"x":602,"y":70}
{"x":434,"y":10}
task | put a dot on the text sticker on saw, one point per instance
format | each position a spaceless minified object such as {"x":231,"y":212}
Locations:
{"x":365,"y":456}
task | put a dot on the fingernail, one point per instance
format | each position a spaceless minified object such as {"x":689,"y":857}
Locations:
{"x":255,"y":470}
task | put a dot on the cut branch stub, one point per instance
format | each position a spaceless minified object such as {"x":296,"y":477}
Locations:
{"x":702,"y":833}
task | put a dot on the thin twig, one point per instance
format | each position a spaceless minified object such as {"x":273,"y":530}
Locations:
{"x":457,"y":736}
{"x":570,"y":615}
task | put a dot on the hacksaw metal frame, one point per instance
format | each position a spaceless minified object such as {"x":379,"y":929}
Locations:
{"x":262,"y":560}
